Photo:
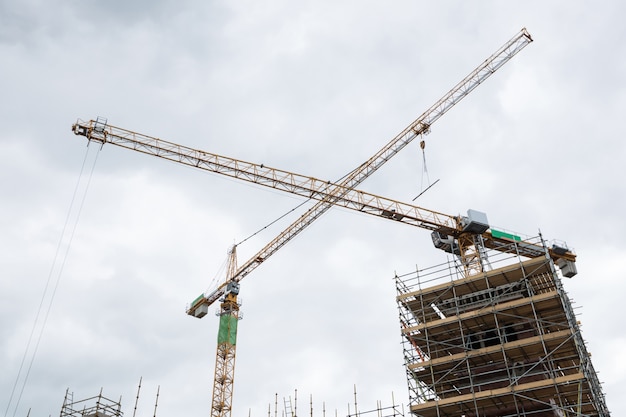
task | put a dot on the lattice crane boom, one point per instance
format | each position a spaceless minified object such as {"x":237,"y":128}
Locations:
{"x":278,"y":179}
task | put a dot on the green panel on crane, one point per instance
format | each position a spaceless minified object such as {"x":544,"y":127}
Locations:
{"x":227,"y":332}
{"x":197,"y":300}
{"x":498,"y":234}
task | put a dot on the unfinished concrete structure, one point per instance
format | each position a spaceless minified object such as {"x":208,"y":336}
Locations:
{"x":501,"y":342}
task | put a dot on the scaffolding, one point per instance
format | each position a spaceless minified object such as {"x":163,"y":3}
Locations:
{"x":502,"y":342}
{"x":291,"y":408}
{"x":98,"y":406}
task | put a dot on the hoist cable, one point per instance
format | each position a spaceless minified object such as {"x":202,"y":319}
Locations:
{"x":273,"y":221}
{"x":215,"y":279}
{"x":283,"y":215}
{"x":424,"y":171}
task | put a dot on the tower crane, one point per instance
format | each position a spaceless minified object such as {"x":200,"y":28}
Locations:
{"x":456,"y":234}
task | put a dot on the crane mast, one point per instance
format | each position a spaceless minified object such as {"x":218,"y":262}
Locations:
{"x":327,"y":194}
{"x":221,"y":403}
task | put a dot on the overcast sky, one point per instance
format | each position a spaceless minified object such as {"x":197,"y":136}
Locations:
{"x":314,"y":87}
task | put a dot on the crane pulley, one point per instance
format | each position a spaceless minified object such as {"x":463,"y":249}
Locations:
{"x":456,"y":234}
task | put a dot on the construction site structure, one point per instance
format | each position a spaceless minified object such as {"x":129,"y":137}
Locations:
{"x":503,"y":342}
{"x":290,"y":408}
{"x":98,"y":406}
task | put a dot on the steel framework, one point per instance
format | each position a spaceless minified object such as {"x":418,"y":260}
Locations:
{"x":98,"y":406}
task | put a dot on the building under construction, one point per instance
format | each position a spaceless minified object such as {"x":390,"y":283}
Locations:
{"x":501,"y":342}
